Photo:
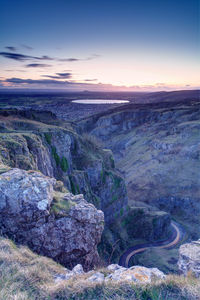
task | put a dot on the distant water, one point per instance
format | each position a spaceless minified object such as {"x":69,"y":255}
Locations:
{"x":99,"y":101}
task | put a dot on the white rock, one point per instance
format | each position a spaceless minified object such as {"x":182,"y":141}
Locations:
{"x":78,"y":269}
{"x":97,"y":277}
{"x":69,"y":275}
{"x":136,"y":274}
{"x":42,"y":205}
{"x":157,"y":273}
{"x":115,"y":267}
{"x":189,"y":258}
{"x":59,"y":278}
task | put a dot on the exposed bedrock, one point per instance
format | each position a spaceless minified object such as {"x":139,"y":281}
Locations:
{"x":189,"y":258}
{"x":83,"y":166}
{"x":59,"y":225}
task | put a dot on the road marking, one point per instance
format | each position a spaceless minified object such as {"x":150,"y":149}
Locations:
{"x":174,"y":242}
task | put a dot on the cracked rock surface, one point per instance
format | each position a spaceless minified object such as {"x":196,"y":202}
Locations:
{"x":67,"y":231}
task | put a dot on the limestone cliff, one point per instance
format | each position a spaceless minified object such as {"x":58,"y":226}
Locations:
{"x":84,"y":166}
{"x":157,"y":148}
{"x":60,"y":152}
{"x":59,"y":225}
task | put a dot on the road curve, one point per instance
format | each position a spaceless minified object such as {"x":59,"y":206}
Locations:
{"x":170,"y":242}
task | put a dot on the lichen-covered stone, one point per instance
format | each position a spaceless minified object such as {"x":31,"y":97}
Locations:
{"x":27,"y":215}
{"x":189,"y":258}
{"x":136,"y":274}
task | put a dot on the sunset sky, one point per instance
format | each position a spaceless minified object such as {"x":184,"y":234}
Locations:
{"x":99,"y":45}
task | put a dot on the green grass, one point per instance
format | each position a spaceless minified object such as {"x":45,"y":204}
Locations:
{"x":55,"y":155}
{"x":163,"y":259}
{"x":60,"y":207}
{"x":73,"y":187}
{"x":4,"y":168}
{"x":64,"y":164}
{"x":48,"y":137}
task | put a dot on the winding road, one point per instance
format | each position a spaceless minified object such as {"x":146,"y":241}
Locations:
{"x":169,"y":243}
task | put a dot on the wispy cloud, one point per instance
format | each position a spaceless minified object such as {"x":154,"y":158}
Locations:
{"x":59,"y":76}
{"x":73,"y":59}
{"x":18,"y":81}
{"x":24,"y":57}
{"x":90,"y":80}
{"x":27,"y":47}
{"x":11,"y":48}
{"x":37,"y":66}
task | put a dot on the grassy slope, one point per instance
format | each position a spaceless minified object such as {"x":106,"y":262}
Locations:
{"x":159,"y":159}
{"x":27,"y":276}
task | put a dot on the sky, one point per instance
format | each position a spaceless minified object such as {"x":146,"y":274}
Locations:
{"x":114,"y":45}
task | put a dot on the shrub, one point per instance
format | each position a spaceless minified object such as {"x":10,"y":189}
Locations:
{"x":73,"y":188}
{"x":117,"y":181}
{"x":56,"y":156}
{"x":64,"y":164}
{"x":47,"y":136}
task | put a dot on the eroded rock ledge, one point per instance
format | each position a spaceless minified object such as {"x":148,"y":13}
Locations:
{"x":52,"y":223}
{"x":114,"y":273}
{"x":189,"y":258}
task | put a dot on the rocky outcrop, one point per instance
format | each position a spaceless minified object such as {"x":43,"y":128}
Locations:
{"x":150,"y":225}
{"x":137,"y":274}
{"x":59,"y":225}
{"x":78,"y":161}
{"x":189,"y":258}
{"x":115,"y":274}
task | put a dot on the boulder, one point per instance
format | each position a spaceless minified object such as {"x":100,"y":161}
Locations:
{"x":97,"y":278}
{"x":78,"y":269}
{"x":189,"y":258}
{"x":115,"y":267}
{"x":135,"y":274}
{"x":67,"y":230}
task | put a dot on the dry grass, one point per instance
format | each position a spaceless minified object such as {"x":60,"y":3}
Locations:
{"x":27,"y":276}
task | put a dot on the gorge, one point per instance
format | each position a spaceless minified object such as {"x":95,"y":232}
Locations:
{"x":87,"y":190}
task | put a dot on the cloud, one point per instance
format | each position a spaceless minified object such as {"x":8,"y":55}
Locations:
{"x":37,"y":66}
{"x":23,"y":57}
{"x":10,"y":48}
{"x":27,"y":47}
{"x":72,"y":59}
{"x":16,"y":80}
{"x":15,"y":70}
{"x":90,"y":80}
{"x":59,"y":76}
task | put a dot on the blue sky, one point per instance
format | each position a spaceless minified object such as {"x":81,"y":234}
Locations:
{"x":102,"y":44}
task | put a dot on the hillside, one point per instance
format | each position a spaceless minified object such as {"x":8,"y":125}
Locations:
{"x":156,"y":149}
{"x":86,"y":192}
{"x":25,"y":275}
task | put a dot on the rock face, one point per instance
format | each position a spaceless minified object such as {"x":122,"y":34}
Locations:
{"x":84,"y":167}
{"x":189,"y":258}
{"x":157,"y":149}
{"x":151,"y":225}
{"x":56,"y":224}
